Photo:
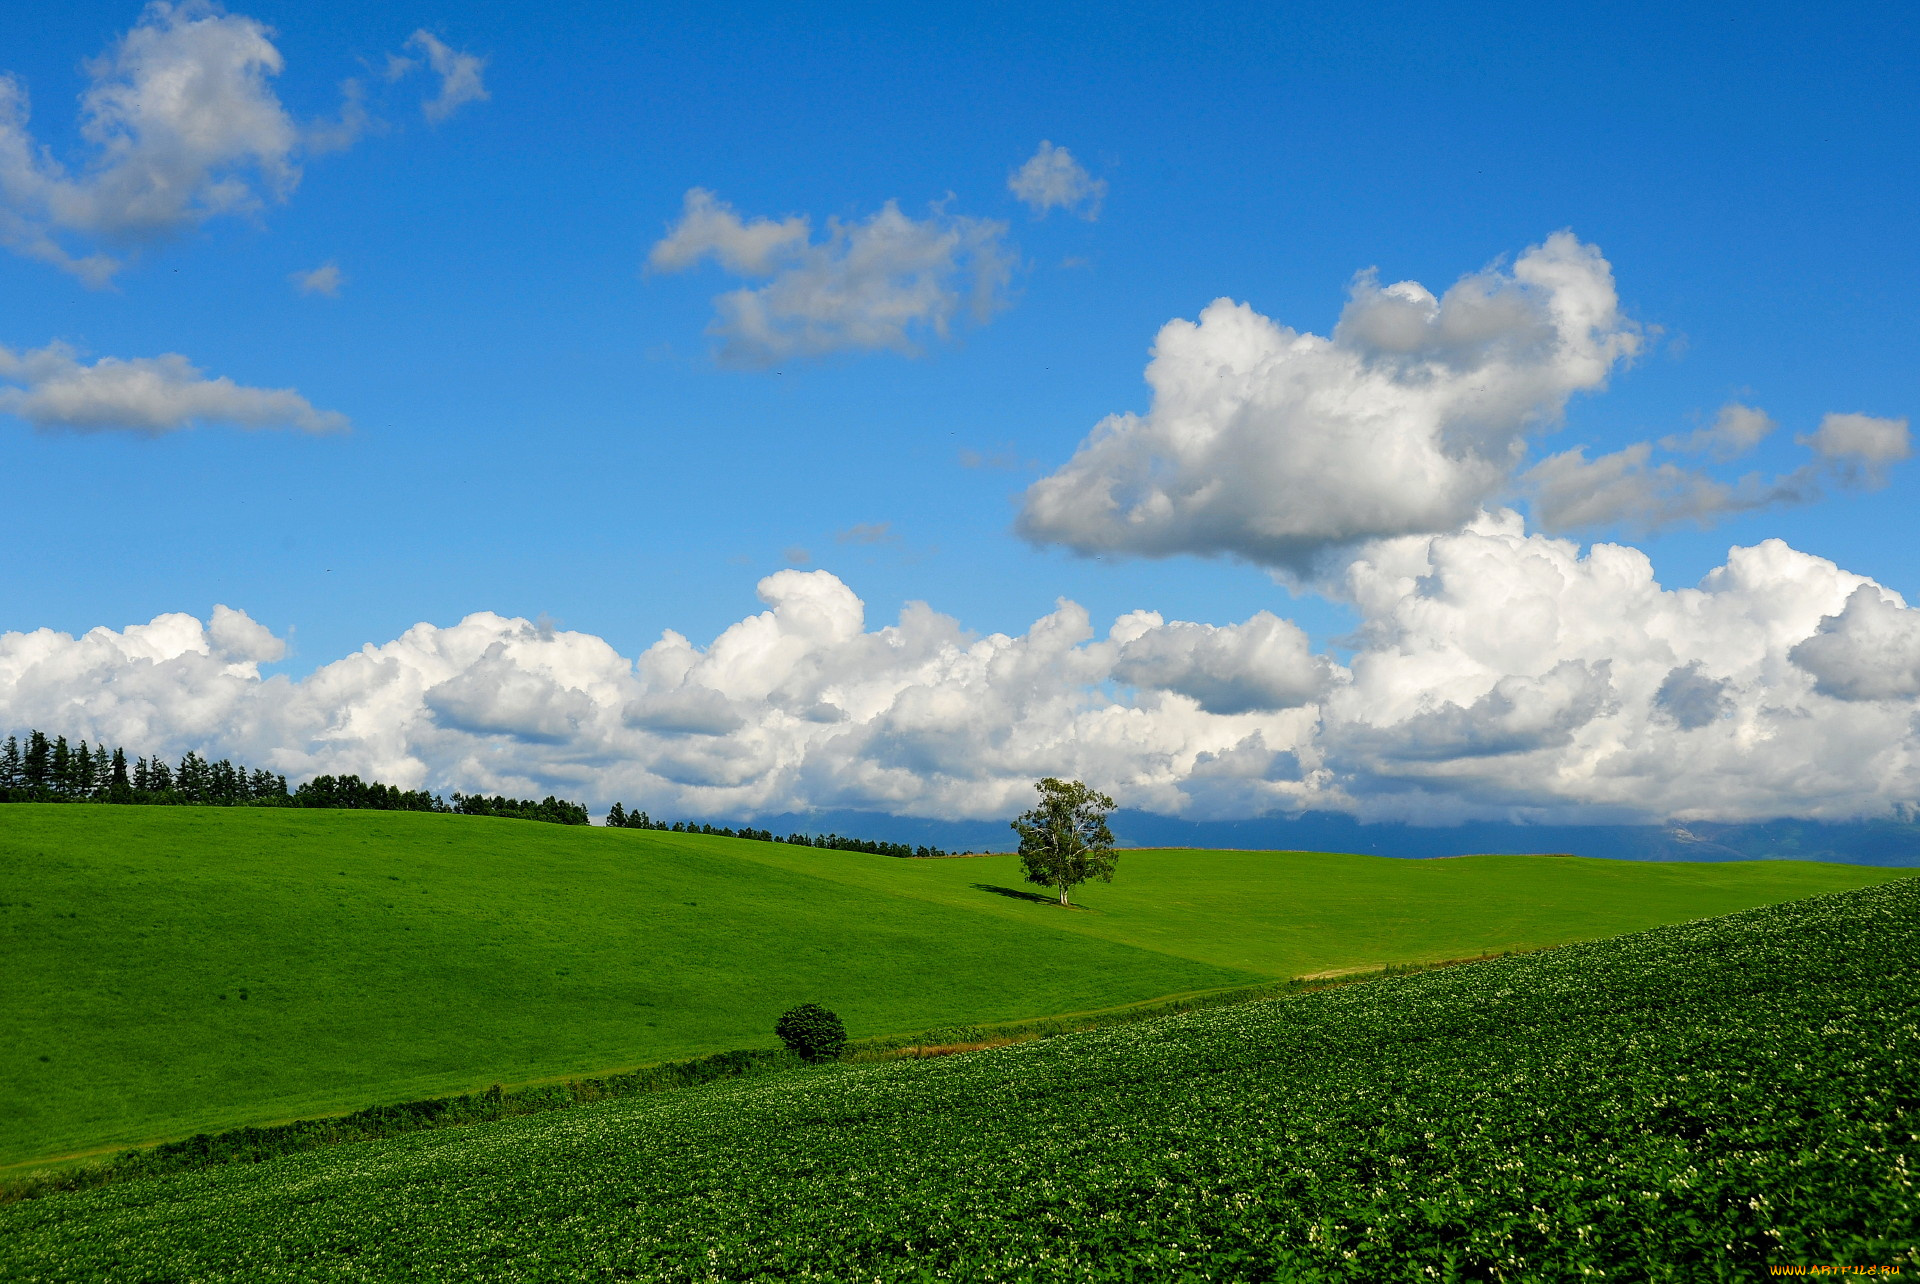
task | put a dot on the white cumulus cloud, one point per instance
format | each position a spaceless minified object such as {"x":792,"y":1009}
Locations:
{"x":1277,"y":446}
{"x":497,"y":695}
{"x":171,"y":682}
{"x":1521,"y":712}
{"x":1264,"y":664}
{"x":1868,"y":651}
{"x":240,"y":637}
{"x":1691,"y":698}
{"x":884,"y":282}
{"x":1290,"y":450}
{"x":1496,"y":673}
{"x":1632,"y":701}
{"x":1052,"y":179}
{"x":53,"y":389}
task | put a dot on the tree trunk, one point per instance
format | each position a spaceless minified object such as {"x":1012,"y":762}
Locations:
{"x":1063,"y":893}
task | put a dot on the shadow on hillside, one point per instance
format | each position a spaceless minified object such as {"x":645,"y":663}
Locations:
{"x":1013,"y":893}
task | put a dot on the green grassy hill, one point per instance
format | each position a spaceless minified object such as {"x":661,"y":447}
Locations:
{"x":174,"y":970}
{"x":1287,"y":914}
{"x":1691,"y":1103}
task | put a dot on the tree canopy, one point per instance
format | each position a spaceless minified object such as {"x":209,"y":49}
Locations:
{"x":1064,"y":841}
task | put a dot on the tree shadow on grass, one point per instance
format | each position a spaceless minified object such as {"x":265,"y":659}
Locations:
{"x":1038,"y":898}
{"x":1015,"y":894}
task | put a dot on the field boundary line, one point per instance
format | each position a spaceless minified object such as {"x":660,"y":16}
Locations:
{"x":256,"y":1144}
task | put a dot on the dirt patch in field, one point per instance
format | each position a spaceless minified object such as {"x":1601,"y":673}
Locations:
{"x":948,"y":1049}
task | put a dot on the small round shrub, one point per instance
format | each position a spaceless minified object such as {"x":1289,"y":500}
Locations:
{"x":812,"y":1032}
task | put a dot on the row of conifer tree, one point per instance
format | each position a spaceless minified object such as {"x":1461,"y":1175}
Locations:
{"x":47,"y":769}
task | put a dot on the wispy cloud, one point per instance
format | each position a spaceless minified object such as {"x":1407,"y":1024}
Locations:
{"x":1003,"y":460}
{"x":179,"y":124}
{"x":54,"y":390}
{"x":884,"y":282}
{"x":325,"y":279}
{"x":868,"y":533}
{"x":460,"y":74}
{"x":1860,"y":447}
{"x":1734,"y":431}
{"x":1572,"y":492}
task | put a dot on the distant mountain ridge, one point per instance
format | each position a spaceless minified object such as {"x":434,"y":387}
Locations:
{"x":1863,"y":842}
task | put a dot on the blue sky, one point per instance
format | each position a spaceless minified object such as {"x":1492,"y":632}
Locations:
{"x":541,"y":428}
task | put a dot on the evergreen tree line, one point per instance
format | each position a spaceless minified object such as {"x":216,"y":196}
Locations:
{"x":557,"y":811}
{"x":353,"y":793}
{"x":620,"y":818}
{"x":52,"y":770}
{"x":47,"y":769}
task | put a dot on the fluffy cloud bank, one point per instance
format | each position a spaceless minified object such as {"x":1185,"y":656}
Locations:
{"x":1502,"y":672}
{"x":1498,"y":674}
{"x":882,"y":283}
{"x":53,"y":389}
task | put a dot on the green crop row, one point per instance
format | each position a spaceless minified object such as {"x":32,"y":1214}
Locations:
{"x":1689,"y":1103}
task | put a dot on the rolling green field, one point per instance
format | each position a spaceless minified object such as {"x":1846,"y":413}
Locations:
{"x":1692,"y":1103}
{"x":176,"y":970}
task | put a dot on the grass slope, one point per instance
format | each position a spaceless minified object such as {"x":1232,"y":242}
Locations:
{"x":388,"y":956}
{"x":1691,"y":1103}
{"x":1287,"y":914}
{"x":391,"y":956}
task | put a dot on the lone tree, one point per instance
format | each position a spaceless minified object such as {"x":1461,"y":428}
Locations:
{"x":1065,"y":840}
{"x":811,"y":1032}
